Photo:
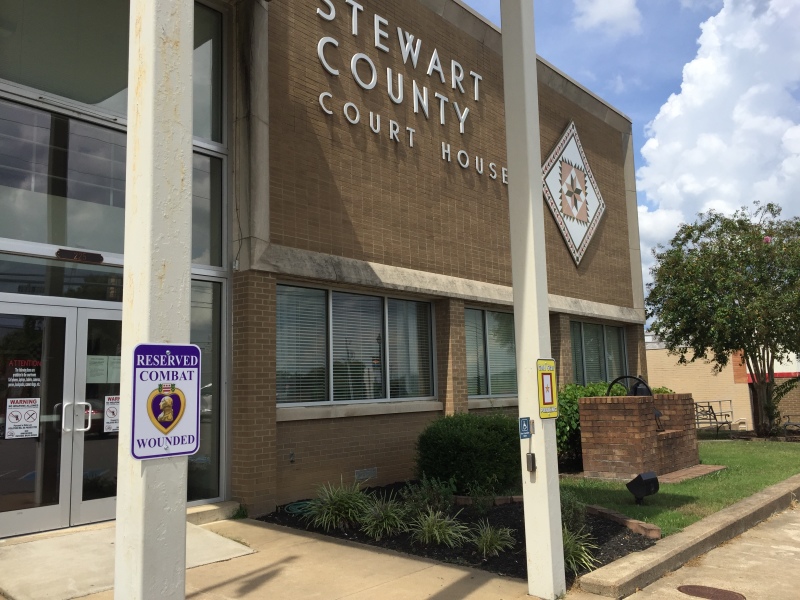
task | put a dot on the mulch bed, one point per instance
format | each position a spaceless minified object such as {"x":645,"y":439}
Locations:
{"x":614,"y":540}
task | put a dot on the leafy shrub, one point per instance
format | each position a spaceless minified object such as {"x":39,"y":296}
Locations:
{"x":435,"y":527}
{"x":568,"y":424}
{"x":661,"y":390}
{"x":578,"y":550}
{"x":491,"y":540}
{"x":383,"y":517}
{"x":336,"y":507}
{"x":429,"y":493}
{"x":573,"y":511}
{"x":471,"y":448}
{"x":482,"y":495}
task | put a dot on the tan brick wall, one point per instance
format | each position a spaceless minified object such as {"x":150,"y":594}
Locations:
{"x":451,"y":355}
{"x":331,"y":450}
{"x":790,"y":403}
{"x":699,"y":380}
{"x":253,"y":477}
{"x":620,"y":439}
{"x":339,"y":189}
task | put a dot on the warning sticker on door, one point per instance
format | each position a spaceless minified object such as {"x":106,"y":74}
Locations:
{"x":22,"y":418}
{"x":111,"y":415}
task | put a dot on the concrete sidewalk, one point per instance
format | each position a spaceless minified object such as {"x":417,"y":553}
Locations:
{"x":295,"y":565}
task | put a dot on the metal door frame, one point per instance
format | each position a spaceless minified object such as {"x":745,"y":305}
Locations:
{"x":104,"y":509}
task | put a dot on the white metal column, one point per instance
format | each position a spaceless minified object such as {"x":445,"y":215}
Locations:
{"x":543,"y":539}
{"x":151,"y":501}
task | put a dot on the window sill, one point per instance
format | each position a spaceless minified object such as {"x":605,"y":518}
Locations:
{"x":479,"y":403}
{"x":339,"y":411}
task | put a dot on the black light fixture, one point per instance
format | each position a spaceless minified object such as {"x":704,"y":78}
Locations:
{"x":644,"y":484}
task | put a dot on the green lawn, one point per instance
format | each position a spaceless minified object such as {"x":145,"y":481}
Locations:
{"x":752,"y":466}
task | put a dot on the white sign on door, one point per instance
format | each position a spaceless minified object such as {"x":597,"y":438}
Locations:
{"x":111,"y":415}
{"x":22,"y":418}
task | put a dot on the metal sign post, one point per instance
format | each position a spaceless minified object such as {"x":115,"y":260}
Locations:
{"x":531,"y":319}
{"x":151,"y":494}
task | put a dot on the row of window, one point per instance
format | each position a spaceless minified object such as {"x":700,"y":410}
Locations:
{"x":340,"y":346}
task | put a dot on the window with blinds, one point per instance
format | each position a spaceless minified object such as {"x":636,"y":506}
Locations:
{"x":410,"y":364}
{"x":501,"y":351}
{"x":577,"y":353}
{"x":491,"y":353}
{"x":301,"y":354}
{"x":332,"y":346}
{"x":593,"y":357}
{"x":477,"y":382}
{"x":615,"y":352}
{"x":598,"y":352}
{"x":357,"y":342}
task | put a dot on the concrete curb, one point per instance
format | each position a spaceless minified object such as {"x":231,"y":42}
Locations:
{"x":623,"y":577}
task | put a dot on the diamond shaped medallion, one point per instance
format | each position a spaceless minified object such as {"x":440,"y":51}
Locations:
{"x":572,"y":193}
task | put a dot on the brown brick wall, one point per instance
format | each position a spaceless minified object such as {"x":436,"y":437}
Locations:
{"x":604,"y":274}
{"x":253,"y":476}
{"x":561,"y":347}
{"x":340,"y":189}
{"x":511,"y":411}
{"x":451,"y":355}
{"x":677,"y":446}
{"x":637,"y":356}
{"x":620,"y":439}
{"x":331,"y":450}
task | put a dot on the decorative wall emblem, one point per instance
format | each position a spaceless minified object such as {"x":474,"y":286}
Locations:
{"x":572,"y":193}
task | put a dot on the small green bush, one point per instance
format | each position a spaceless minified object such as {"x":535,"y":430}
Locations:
{"x":568,"y":424}
{"x":482,"y":495}
{"x":434,"y":527}
{"x":383,"y":517}
{"x":573,"y":511}
{"x":471,"y":448}
{"x":578,"y":550}
{"x":336,"y":507}
{"x":661,"y":390}
{"x":491,"y":540}
{"x":429,"y":493}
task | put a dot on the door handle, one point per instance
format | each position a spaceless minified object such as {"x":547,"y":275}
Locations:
{"x":64,"y":416}
{"x":87,"y":421}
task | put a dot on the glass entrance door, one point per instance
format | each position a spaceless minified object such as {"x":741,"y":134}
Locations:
{"x":94,"y":440}
{"x":59,"y":416}
{"x":37,"y":366}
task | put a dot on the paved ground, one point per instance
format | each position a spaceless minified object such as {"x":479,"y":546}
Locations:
{"x":761,"y":564}
{"x":68,"y":564}
{"x":291,"y":565}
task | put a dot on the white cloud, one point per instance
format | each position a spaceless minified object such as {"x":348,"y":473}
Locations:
{"x":732,"y":134}
{"x":615,"y":18}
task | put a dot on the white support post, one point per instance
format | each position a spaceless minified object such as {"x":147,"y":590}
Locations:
{"x":151,"y":494}
{"x":531,"y":318}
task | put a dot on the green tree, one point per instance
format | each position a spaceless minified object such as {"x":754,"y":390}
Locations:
{"x":731,"y":283}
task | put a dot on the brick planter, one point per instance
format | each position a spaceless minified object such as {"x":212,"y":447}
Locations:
{"x":620,"y":438}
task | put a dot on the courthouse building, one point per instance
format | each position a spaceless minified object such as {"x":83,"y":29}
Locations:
{"x":351,"y":274}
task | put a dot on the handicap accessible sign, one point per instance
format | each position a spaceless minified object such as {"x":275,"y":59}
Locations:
{"x":166,"y":400}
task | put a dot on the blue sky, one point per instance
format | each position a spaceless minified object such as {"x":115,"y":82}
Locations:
{"x":712,"y":88}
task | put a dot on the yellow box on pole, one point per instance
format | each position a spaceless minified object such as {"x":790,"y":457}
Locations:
{"x":548,"y":396}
